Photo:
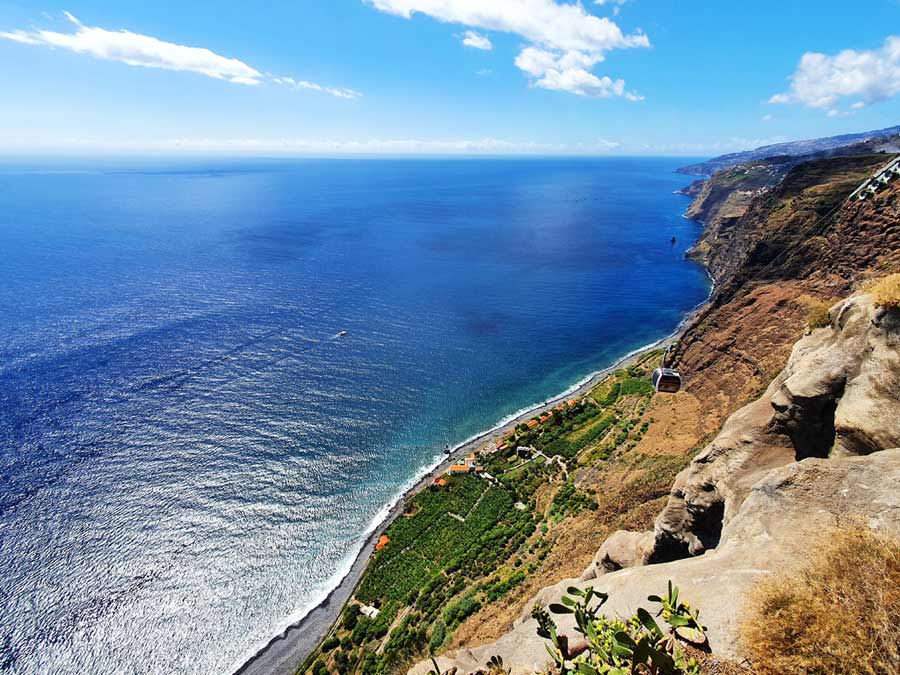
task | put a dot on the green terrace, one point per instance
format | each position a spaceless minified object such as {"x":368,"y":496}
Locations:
{"x":472,"y":539}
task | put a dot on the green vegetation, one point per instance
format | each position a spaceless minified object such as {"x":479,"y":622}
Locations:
{"x":476,"y":540}
{"x":570,"y":500}
{"x":613,"y":647}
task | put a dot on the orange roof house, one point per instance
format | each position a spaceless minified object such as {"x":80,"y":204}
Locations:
{"x":531,"y":424}
{"x":545,"y":418}
{"x":440,"y":482}
{"x":382,"y":542}
{"x":573,"y":403}
{"x":459,"y":468}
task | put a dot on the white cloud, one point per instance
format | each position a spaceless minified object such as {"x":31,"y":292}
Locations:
{"x":140,"y":50}
{"x":768,"y":118}
{"x":570,"y":71}
{"x":476,"y":40}
{"x":616,"y":4}
{"x":340,"y":92}
{"x":821,"y":81}
{"x":566,"y":40}
{"x":145,"y":51}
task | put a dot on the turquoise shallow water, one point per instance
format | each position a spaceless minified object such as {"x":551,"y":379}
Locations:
{"x":191,"y":456}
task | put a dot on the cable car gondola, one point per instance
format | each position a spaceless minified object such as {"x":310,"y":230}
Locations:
{"x":666,"y":380}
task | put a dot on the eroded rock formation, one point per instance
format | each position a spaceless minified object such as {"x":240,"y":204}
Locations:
{"x":837,"y":396}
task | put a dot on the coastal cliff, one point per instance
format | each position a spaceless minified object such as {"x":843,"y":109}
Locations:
{"x":780,"y":437}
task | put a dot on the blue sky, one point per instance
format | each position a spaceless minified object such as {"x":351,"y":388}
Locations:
{"x":443,"y":76}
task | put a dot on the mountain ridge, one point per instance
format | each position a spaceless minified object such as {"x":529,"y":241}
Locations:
{"x":786,"y":149}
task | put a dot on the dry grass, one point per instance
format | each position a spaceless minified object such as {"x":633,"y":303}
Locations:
{"x":817,"y":311}
{"x":838,"y":616}
{"x":886,"y":291}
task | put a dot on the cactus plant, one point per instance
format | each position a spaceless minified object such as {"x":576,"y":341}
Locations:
{"x":615,"y":647}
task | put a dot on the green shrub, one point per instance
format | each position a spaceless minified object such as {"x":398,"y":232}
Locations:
{"x":438,"y":635}
{"x":614,"y":647}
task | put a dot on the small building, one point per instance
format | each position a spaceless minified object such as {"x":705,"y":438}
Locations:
{"x":479,"y":469}
{"x":573,"y":402}
{"x":383,"y":541}
{"x":531,"y":424}
{"x":470,"y":459}
{"x":544,"y":418}
{"x":458,"y":469}
{"x":523,"y":452}
{"x":440,"y":482}
{"x":371,"y":612}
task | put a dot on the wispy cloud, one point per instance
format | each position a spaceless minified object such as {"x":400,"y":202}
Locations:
{"x":146,"y":51}
{"x":566,"y":40}
{"x":297,"y":146}
{"x":293,"y":146}
{"x":476,"y":40}
{"x":822,"y":81}
{"x":615,"y":4}
{"x":340,"y":92}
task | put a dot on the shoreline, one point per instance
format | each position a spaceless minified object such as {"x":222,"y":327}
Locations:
{"x":287,"y":650}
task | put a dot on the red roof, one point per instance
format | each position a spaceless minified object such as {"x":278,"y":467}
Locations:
{"x":382,"y":542}
{"x":532,"y":423}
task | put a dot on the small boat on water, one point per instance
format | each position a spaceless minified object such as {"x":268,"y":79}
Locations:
{"x":342,"y":333}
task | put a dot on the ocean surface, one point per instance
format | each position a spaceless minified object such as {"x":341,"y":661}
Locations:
{"x":191,"y":455}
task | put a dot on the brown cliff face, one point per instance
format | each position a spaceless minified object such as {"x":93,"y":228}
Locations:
{"x":802,"y":240}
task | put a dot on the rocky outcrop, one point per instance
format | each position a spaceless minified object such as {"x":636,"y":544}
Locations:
{"x":838,"y":395}
{"x":758,"y":498}
{"x":694,"y":189}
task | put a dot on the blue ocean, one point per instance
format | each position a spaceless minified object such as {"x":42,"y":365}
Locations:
{"x":191,"y":454}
